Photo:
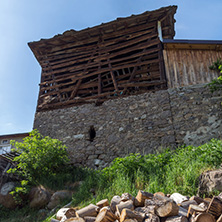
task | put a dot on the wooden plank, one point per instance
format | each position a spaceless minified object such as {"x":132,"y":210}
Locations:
{"x":124,"y":51}
{"x":106,"y":37}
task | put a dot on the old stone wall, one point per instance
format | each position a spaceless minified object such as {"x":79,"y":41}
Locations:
{"x":142,"y":123}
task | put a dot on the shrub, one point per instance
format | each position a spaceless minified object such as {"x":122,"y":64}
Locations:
{"x":39,"y":157}
{"x":216,"y":84}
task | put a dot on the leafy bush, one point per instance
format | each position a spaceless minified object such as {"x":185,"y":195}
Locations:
{"x":39,"y":156}
{"x":216,"y":84}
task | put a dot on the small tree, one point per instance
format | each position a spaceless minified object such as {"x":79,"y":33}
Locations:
{"x":39,"y":157}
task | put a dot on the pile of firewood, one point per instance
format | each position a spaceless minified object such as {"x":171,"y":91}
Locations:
{"x":147,"y":207}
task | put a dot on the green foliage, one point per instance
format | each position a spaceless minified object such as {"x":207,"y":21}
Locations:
{"x":40,"y":157}
{"x":168,"y":171}
{"x":216,"y":84}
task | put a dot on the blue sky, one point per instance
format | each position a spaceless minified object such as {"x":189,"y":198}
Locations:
{"x":23,"y":21}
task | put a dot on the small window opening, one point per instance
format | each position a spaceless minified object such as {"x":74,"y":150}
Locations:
{"x":92,"y":133}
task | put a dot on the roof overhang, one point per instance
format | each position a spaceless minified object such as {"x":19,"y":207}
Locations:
{"x":192,"y":44}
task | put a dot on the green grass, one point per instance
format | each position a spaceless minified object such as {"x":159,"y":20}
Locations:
{"x":168,"y":171}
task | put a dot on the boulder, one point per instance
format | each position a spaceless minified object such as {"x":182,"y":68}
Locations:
{"x":58,"y":197}
{"x":39,"y":197}
{"x":6,"y":198}
{"x":210,"y":181}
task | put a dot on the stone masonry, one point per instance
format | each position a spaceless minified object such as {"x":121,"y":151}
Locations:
{"x":142,"y":123}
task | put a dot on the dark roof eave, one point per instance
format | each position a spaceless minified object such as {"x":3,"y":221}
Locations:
{"x":188,"y":41}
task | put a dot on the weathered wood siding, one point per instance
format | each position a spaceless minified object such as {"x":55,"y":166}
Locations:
{"x":189,"y":66}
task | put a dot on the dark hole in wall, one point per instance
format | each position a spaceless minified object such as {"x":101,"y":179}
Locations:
{"x":92,"y":133}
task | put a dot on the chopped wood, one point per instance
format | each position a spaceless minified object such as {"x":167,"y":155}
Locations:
{"x":215,"y":207}
{"x":71,"y":212}
{"x":126,"y":196}
{"x":178,"y":198}
{"x":75,"y":219}
{"x":91,"y":210}
{"x":187,"y":203}
{"x":198,"y":199}
{"x":130,"y":220}
{"x":115,"y":200}
{"x":68,"y":212}
{"x":194,"y":209}
{"x":103,"y":203}
{"x":141,"y":197}
{"x":203,"y":217}
{"x":177,"y":219}
{"x":129,"y":214}
{"x":106,"y":215}
{"x":90,"y":219}
{"x":159,"y":193}
{"x":182,"y":211}
{"x":124,"y":205}
{"x":152,"y":218}
{"x":168,"y":209}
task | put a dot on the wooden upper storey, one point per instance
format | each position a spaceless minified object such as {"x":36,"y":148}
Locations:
{"x":114,"y":59}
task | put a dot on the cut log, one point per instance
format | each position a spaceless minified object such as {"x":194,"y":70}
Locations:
{"x":182,"y":211}
{"x":128,"y":214}
{"x":145,"y":210}
{"x":203,"y":217}
{"x":90,"y":219}
{"x":177,"y":219}
{"x":103,"y":203}
{"x":128,"y":205}
{"x":152,"y":218}
{"x":194,"y":209}
{"x":187,"y":203}
{"x":215,"y":207}
{"x":75,"y":219}
{"x":178,"y":198}
{"x":115,"y":200}
{"x":71,"y":212}
{"x":159,"y":193}
{"x":198,"y":199}
{"x":130,"y":220}
{"x":106,"y":215}
{"x":126,"y":196}
{"x":141,"y":197}
{"x":90,"y":211}
{"x":168,"y":209}
{"x":68,"y":212}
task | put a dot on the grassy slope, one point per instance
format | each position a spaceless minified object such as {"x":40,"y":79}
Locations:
{"x":168,"y":171}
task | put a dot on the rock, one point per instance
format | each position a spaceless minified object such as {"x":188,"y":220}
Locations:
{"x":210,"y":181}
{"x":39,"y":197}
{"x":58,"y":197}
{"x":6,"y":198}
{"x":7,"y":187}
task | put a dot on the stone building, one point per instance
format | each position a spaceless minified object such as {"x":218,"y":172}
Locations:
{"x":126,"y":86}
